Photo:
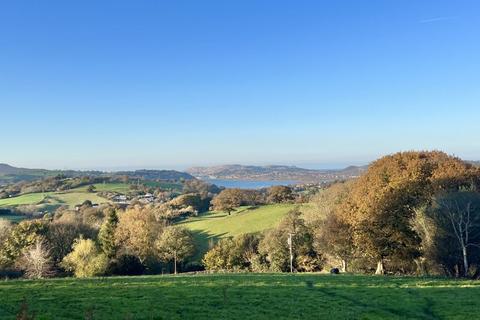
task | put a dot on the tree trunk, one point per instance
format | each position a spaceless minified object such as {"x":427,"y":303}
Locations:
{"x":421,"y":266}
{"x":175,"y":262}
{"x":344,"y":265}
{"x":380,"y":267}
{"x":465,"y":261}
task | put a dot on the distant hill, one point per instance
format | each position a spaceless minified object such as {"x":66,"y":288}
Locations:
{"x":475,"y":163}
{"x":156,"y":174}
{"x":275,"y":172}
{"x":10,"y":174}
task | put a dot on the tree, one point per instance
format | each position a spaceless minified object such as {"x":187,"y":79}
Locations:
{"x":126,"y":265}
{"x":458,"y":215}
{"x":280,"y":194}
{"x":206,"y":190}
{"x":85,"y":260}
{"x":239,"y":253}
{"x":383,"y":202}
{"x":62,"y":234}
{"x":5,"y":229}
{"x":137,"y":231}
{"x":22,"y":236}
{"x":91,"y":188}
{"x":275,"y":245}
{"x":221,"y":256}
{"x":330,"y":223}
{"x":335,"y":237}
{"x":227,"y":200}
{"x":36,"y":261}
{"x":106,"y":235}
{"x":175,"y":243}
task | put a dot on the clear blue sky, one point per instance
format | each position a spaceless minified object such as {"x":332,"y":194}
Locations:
{"x":109,"y":84}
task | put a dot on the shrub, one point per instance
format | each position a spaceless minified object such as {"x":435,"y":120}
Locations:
{"x":36,"y":261}
{"x":85,"y":260}
{"x":126,"y":265}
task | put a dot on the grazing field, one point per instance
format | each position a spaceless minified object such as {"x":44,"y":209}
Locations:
{"x":243,"y":296}
{"x":215,"y":225}
{"x":163,"y":184}
{"x":49,"y":201}
{"x":112,"y":187}
{"x":30,"y":198}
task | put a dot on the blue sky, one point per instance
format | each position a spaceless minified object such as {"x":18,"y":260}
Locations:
{"x":117,"y":84}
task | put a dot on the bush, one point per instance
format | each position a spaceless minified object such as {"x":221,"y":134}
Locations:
{"x":85,"y":260}
{"x":126,"y":265}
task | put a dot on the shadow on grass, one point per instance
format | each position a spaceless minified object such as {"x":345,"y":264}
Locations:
{"x":204,"y":241}
{"x":230,"y":296}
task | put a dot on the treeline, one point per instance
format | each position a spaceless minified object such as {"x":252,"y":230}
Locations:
{"x":94,"y":240}
{"x":269,"y":251}
{"x":229,"y":199}
{"x":410,"y":213}
{"x":50,"y":184}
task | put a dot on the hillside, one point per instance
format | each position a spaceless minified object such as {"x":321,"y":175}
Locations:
{"x":241,"y":172}
{"x":155,"y":174}
{"x":10,"y":174}
{"x":49,"y":201}
{"x":243,"y":296}
{"x":213,"y":226}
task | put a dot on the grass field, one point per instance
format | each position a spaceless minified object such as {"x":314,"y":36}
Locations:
{"x":112,"y":187}
{"x":31,"y":198}
{"x":216,"y":225}
{"x":49,"y":201}
{"x":243,"y":296}
{"x":175,"y":186}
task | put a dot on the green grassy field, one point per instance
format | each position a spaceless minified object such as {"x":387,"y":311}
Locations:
{"x":31,"y":198}
{"x":49,"y":201}
{"x":112,"y":187}
{"x":215,"y":225}
{"x":243,"y":296}
{"x":175,"y":186}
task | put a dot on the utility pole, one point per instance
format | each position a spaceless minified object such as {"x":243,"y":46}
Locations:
{"x":291,"y":252}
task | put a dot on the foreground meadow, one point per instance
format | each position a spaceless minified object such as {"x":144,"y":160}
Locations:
{"x":243,"y":296}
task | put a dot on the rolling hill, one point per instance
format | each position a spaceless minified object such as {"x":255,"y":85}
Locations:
{"x":10,"y":174}
{"x":213,"y":225}
{"x":50,"y":201}
{"x":277,"y":172}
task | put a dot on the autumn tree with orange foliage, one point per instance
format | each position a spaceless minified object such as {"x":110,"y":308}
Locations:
{"x":382,"y":202}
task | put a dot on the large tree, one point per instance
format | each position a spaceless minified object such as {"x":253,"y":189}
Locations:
{"x":22,"y":236}
{"x":457,"y":218}
{"x":280,"y":194}
{"x":36,"y":261}
{"x":106,"y":235}
{"x":291,"y":232}
{"x":330,"y":223}
{"x":175,"y":244}
{"x":137,"y":231}
{"x":86,"y":260}
{"x":383,"y":201}
{"x":239,"y":253}
{"x":62,"y":234}
{"x":227,"y":200}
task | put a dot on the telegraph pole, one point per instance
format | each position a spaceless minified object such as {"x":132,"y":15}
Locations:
{"x":291,"y":252}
